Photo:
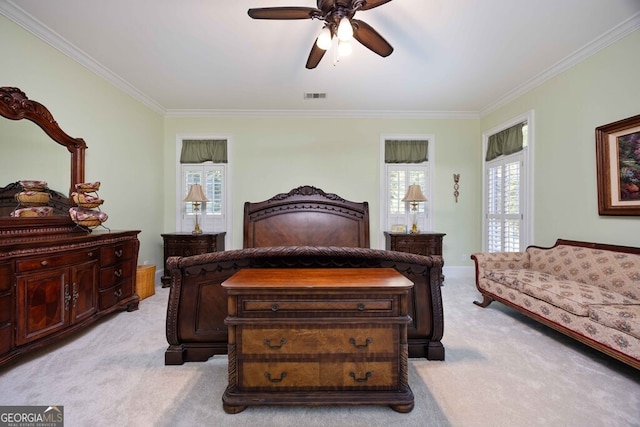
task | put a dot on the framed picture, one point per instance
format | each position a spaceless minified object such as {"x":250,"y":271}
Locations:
{"x":618,"y":167}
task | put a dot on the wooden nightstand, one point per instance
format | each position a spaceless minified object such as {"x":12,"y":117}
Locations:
{"x":423,"y":243}
{"x":187,"y":244}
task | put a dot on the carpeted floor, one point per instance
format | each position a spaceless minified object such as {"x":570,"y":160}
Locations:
{"x":501,"y":369}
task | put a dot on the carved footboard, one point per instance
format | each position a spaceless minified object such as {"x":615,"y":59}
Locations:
{"x":197,"y":303}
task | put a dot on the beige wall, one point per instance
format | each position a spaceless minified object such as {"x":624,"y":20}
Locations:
{"x":124,"y":138}
{"x":602,"y":89}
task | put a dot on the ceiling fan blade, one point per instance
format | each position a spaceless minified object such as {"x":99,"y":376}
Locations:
{"x":315,"y":56}
{"x":284,"y":13}
{"x":370,"y":4}
{"x":370,"y":38}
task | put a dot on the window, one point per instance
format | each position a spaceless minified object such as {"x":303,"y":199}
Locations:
{"x":507,"y":217}
{"x":405,"y":166}
{"x":211,"y":215}
{"x":203,"y":161}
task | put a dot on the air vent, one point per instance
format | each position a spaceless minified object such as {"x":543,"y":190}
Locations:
{"x":315,"y":95}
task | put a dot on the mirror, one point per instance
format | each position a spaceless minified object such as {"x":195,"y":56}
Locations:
{"x":35,"y":148}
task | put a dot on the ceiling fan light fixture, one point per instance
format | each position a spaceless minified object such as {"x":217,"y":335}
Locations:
{"x":344,"y":48}
{"x":324,"y":39}
{"x":345,"y":30}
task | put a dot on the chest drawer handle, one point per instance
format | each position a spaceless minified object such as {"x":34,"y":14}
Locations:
{"x":275,"y":380}
{"x":361,"y":380}
{"x":365,"y":345}
{"x":267,"y":342}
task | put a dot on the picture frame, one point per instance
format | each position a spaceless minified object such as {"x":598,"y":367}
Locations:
{"x":618,"y":167}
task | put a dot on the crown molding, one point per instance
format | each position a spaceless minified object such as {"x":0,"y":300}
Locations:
{"x":609,"y":37}
{"x":330,"y":114}
{"x":14,"y":13}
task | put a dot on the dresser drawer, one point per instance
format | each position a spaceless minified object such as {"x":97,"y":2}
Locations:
{"x":291,"y":376}
{"x":110,"y":297}
{"x":5,"y":309}
{"x":354,"y":306}
{"x":366,"y":341}
{"x":116,"y":253}
{"x":109,"y":276}
{"x":41,"y":263}
{"x":5,"y":277}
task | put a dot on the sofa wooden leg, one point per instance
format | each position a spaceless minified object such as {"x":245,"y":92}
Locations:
{"x":486,"y":300}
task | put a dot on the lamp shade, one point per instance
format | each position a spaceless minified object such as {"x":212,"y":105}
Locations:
{"x":196,"y":194}
{"x":414,"y":194}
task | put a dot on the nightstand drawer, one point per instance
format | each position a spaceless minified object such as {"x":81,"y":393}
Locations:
{"x":369,"y":341}
{"x":319,"y":376}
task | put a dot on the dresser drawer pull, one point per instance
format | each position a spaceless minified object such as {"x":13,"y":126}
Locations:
{"x":361,"y":380}
{"x":267,"y":342}
{"x":361,"y":307}
{"x":118,"y":272}
{"x":365,"y":345}
{"x":118,"y":293}
{"x":119,"y":253}
{"x":44,"y":263}
{"x":274,"y":307}
{"x":275,"y":380}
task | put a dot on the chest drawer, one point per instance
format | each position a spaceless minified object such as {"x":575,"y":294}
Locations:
{"x":291,"y":376}
{"x":41,"y":263}
{"x":364,"y":341}
{"x":352,"y":305}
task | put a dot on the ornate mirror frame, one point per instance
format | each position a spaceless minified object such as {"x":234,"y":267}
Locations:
{"x":15,"y":105}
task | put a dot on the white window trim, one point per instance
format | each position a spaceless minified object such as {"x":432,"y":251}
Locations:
{"x":527,"y":184}
{"x":431,"y":154}
{"x":227,"y":193}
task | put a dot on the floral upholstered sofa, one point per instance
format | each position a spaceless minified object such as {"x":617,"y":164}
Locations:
{"x":588,"y":291}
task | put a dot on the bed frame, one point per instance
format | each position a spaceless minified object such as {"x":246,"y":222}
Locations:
{"x":304,"y":228}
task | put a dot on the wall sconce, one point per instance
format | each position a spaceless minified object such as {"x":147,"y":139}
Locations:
{"x":196,"y":196}
{"x":413,"y":196}
{"x":456,"y":186}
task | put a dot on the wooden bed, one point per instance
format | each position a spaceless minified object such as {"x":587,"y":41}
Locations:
{"x":304,"y":228}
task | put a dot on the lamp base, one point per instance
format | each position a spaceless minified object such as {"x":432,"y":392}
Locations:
{"x":414,"y":229}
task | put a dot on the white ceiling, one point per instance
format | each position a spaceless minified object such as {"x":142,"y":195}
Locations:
{"x":451,"y":57}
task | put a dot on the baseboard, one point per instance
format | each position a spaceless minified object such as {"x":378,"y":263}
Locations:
{"x":458,"y":271}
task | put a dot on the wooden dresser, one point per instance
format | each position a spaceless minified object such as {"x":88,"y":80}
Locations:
{"x":318,"y":337}
{"x":423,"y":243}
{"x":53,"y":285}
{"x":188,"y":244}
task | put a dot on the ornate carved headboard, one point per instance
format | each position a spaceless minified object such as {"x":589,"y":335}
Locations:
{"x":306,"y":216}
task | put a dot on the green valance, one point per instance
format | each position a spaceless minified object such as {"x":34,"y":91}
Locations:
{"x":505,"y":142}
{"x":203,"y":150}
{"x":405,"y":151}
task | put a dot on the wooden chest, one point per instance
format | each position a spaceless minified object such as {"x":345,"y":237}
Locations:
{"x":318,"y":337}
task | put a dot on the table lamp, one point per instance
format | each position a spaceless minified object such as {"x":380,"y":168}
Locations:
{"x":413,"y":196}
{"x":196,"y":196}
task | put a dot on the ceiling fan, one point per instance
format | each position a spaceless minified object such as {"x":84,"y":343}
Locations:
{"x":339,"y":22}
